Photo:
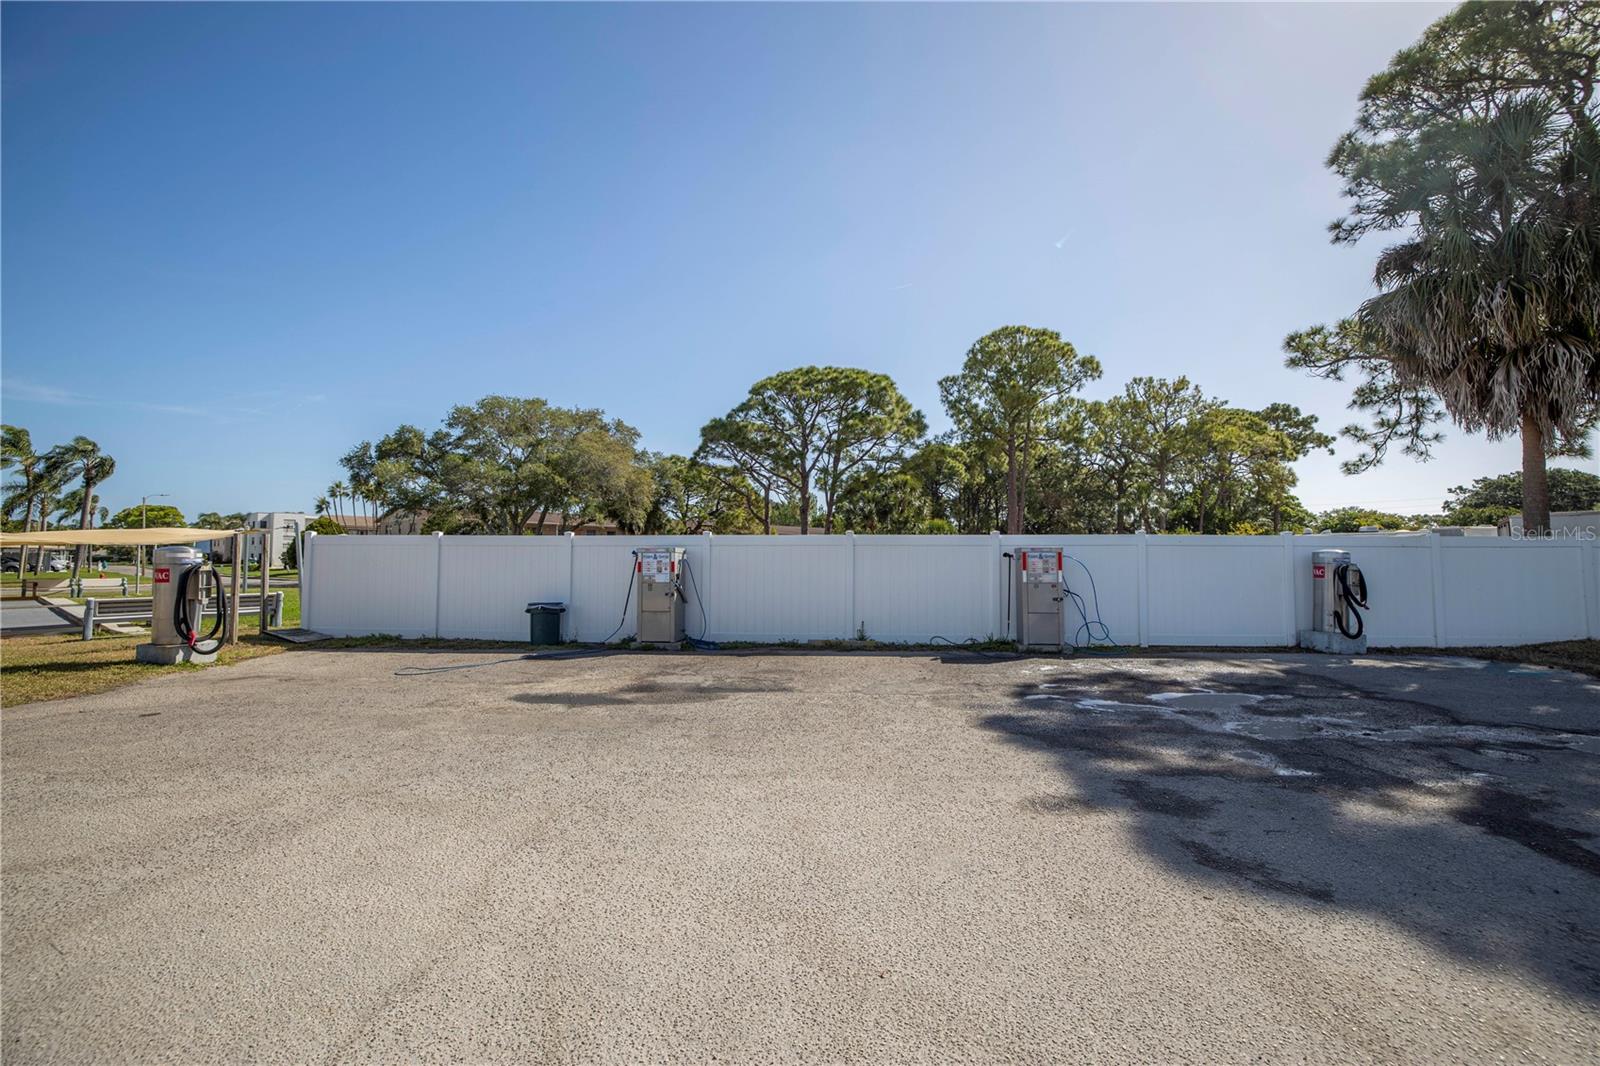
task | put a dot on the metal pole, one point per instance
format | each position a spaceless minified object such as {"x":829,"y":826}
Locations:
{"x":233,"y":598}
{"x":138,"y":569}
{"x":266,"y":581}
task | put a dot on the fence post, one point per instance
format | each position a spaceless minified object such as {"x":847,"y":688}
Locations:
{"x":1589,"y":574}
{"x":1144,"y":590}
{"x":88,"y":618}
{"x":277,"y":609}
{"x":306,"y":577}
{"x":1436,"y":585}
{"x":1594,"y":588}
{"x":996,"y":593}
{"x":1291,"y":608}
{"x":438,"y":582}
{"x":306,"y":573}
{"x":707,"y":579}
{"x":853,"y":628}
{"x":568,"y":616}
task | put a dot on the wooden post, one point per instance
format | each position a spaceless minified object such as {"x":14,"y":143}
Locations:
{"x":233,"y":595}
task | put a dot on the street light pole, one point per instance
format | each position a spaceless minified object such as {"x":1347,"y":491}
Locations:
{"x":138,"y":570}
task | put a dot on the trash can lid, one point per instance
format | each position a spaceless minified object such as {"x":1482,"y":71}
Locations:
{"x":555,"y":607}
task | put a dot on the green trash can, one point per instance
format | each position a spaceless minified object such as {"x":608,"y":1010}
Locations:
{"x":544,"y":622}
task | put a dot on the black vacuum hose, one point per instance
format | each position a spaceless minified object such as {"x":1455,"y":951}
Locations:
{"x":1353,"y":604}
{"x":188,"y":627}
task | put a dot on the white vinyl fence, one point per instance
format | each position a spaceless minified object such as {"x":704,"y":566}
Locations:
{"x":1426,"y":590}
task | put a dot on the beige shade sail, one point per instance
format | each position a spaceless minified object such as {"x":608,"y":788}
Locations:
{"x":112,"y":538}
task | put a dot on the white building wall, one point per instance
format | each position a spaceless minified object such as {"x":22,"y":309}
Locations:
{"x":1216,"y":591}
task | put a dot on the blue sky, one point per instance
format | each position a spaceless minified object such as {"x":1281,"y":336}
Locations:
{"x":239,"y":239}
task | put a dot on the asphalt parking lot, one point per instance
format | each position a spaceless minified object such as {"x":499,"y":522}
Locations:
{"x":786,"y":857}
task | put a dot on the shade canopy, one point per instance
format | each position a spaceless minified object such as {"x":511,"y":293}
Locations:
{"x":112,"y":538}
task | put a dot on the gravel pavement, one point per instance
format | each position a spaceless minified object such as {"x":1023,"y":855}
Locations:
{"x":805,"y":857}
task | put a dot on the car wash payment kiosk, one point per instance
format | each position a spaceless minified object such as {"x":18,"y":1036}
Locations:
{"x":660,"y":574}
{"x":1041,"y":592}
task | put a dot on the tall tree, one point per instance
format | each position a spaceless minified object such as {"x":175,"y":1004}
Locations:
{"x":82,"y":458}
{"x":1570,"y":490}
{"x":1236,"y":463}
{"x":1012,"y":384}
{"x":693,"y":497}
{"x":1114,"y":448}
{"x":1480,"y":143}
{"x":507,"y":463}
{"x":407,"y":468}
{"x":940,"y":470}
{"x":810,"y":429}
{"x":155,"y":516}
{"x":871,"y":437}
{"x":884,"y":500}
{"x":739,"y":454}
{"x":1165,"y":410}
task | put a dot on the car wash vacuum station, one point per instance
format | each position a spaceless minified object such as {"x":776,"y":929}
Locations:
{"x":1338,"y":596}
{"x":182,"y":587}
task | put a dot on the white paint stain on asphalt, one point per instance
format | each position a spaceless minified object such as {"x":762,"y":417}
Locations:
{"x":1229,"y":713}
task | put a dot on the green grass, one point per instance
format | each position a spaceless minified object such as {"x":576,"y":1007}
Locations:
{"x":9,"y":578}
{"x":56,"y":666}
{"x":254,"y":572}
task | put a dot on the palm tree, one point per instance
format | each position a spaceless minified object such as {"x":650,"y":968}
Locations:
{"x":321,"y":506}
{"x":337,"y":490}
{"x":82,"y":458}
{"x":1482,"y":143}
{"x":32,"y":488}
{"x":1492,"y":305}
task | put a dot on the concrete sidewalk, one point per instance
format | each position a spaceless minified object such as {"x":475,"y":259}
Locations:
{"x":31,"y":617}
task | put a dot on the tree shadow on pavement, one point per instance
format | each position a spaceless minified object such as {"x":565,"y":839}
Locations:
{"x":1465,"y":822}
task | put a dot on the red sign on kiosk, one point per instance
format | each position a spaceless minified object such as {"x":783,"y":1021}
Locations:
{"x":163,"y":575}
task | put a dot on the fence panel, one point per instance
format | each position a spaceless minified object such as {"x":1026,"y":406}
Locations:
{"x":780,"y":588}
{"x":1504,"y":591}
{"x":367,"y":585}
{"x":1228,"y":591}
{"x":911,"y":589}
{"x":486,"y":583}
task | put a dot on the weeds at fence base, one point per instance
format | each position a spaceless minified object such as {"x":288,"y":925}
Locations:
{"x":1581,"y":656}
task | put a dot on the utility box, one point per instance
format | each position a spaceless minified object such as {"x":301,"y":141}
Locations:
{"x":1338,"y":595}
{"x":660,"y":574}
{"x":1041,"y":593}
